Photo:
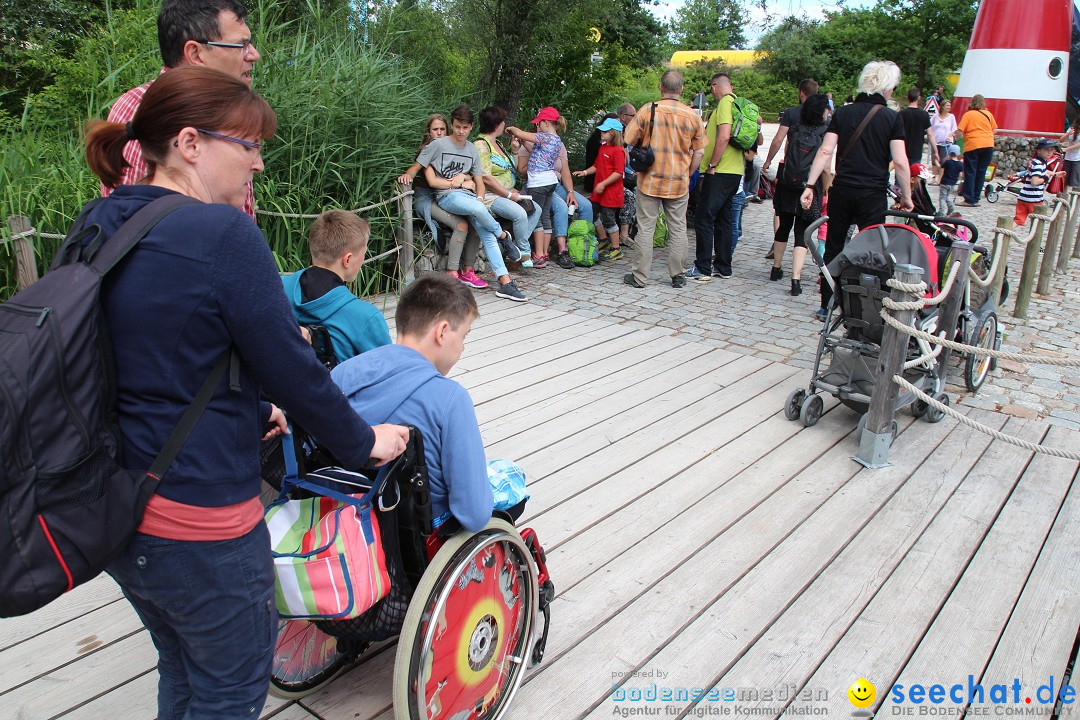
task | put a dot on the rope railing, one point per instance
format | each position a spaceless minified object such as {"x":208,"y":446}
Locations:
{"x":308,"y":216}
{"x":33,"y":232}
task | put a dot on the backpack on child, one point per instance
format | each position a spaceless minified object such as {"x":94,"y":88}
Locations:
{"x":744,"y":123}
{"x":68,"y":506}
{"x":581,"y":243}
{"x":803,"y":142}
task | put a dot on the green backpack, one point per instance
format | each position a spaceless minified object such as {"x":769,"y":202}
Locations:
{"x":581,"y":243}
{"x":744,"y":123}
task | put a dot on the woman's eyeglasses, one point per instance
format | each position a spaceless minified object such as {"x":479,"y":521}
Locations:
{"x":246,"y":143}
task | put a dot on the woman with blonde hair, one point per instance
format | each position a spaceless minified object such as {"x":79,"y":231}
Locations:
{"x":977,"y":127}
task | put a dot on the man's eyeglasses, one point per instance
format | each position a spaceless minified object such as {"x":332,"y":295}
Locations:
{"x":246,"y":143}
{"x":243,"y":46}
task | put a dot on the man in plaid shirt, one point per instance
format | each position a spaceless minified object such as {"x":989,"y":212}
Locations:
{"x":191,"y":32}
{"x":676,"y":136}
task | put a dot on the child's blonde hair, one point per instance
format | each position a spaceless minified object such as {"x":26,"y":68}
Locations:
{"x":616,"y":138}
{"x":826,"y":181}
{"x":335,"y":233}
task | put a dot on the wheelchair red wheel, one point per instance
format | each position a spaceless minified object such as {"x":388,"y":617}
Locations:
{"x":305,"y":659}
{"x":468,"y":633}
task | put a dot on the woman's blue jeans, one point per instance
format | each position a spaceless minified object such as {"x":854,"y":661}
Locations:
{"x":209,"y":607}
{"x":524,"y":223}
{"x":468,"y":206}
{"x":560,"y":211}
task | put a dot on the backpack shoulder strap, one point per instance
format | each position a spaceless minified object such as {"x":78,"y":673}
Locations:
{"x":858,"y":131}
{"x":135,"y":229}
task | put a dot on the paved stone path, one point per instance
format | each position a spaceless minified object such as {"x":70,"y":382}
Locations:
{"x":749,"y":314}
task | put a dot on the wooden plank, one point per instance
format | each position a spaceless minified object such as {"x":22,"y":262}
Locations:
{"x":673,"y":457}
{"x":293,"y":712}
{"x":568,"y":465}
{"x":788,"y":654}
{"x":527,"y":341}
{"x":716,"y":634}
{"x":361,"y":693}
{"x":968,"y":627}
{"x":97,"y":593}
{"x":891,"y":626}
{"x":539,"y":402}
{"x":86,"y":635}
{"x":1039,"y":637}
{"x":601,"y":413}
{"x":581,"y":678}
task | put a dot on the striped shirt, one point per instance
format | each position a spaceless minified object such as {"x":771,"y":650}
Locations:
{"x":122,"y":111}
{"x":1034,"y":193}
{"x":676,"y":133}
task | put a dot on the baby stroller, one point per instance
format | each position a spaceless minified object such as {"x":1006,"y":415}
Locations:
{"x":851,"y":337}
{"x":457,"y":599}
{"x":1015,"y":182}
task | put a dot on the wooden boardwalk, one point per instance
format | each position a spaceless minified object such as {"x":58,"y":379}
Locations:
{"x":697,"y":539}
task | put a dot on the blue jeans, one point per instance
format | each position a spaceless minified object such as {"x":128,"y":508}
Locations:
{"x":975,"y":164}
{"x":524,"y":222}
{"x":209,"y":607}
{"x":468,"y":206}
{"x":560,"y":218}
{"x":738,"y":204}
{"x":713,"y":222}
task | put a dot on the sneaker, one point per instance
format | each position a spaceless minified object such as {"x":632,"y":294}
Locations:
{"x":695,"y":274}
{"x":679,"y":281}
{"x":604,"y":245}
{"x":776,"y":273}
{"x":510,"y":292}
{"x":613,"y":253}
{"x":470,"y":278}
{"x":632,"y":281}
{"x":539,"y":261}
{"x":796,"y":287}
{"x":820,"y":314}
{"x":564,"y":260}
{"x":510,"y":250}
{"x":526,"y":261}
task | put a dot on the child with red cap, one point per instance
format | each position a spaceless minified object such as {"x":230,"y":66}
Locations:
{"x":546,"y":146}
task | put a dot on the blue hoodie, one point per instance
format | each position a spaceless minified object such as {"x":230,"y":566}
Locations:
{"x":354,"y":325}
{"x":396,"y":384}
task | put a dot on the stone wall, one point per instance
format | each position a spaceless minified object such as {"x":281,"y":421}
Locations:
{"x":1013,"y":153}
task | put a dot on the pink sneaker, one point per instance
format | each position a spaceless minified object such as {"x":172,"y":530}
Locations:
{"x":470,"y":278}
{"x":539,"y":261}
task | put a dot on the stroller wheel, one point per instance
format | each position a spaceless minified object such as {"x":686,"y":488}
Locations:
{"x":794,"y":403}
{"x":810,"y":410}
{"x":932,"y":413}
{"x":983,"y":335}
{"x":991,"y":193}
{"x":919,"y":408}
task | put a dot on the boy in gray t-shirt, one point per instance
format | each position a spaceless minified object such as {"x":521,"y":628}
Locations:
{"x":448,"y":160}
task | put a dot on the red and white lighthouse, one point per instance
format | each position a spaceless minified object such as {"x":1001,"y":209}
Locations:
{"x":1018,"y":59}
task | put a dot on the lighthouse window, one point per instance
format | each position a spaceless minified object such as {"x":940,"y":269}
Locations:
{"x":1056,"y":66}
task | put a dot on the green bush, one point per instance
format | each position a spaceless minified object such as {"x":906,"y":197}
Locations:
{"x":350,"y":118}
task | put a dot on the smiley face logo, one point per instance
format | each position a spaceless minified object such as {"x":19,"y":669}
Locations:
{"x":861,"y":693}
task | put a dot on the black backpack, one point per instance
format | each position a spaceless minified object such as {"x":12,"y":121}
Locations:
{"x":803,"y":142}
{"x":68,"y":508}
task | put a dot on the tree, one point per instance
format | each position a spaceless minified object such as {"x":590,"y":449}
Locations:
{"x":709,"y":25}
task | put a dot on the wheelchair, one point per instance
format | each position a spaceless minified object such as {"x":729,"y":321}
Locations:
{"x":464,"y":607}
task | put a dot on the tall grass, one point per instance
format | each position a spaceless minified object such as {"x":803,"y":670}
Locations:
{"x":349,"y":120}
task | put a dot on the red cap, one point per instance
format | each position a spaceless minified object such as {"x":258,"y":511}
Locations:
{"x":918,"y":170}
{"x":548,"y":113}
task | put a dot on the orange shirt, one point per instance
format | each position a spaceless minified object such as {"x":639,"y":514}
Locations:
{"x":677,"y":132}
{"x":978,"y":127}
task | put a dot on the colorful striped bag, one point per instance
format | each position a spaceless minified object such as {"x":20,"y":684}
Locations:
{"x":328,"y":556}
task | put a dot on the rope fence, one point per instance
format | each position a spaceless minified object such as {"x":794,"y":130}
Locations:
{"x":355,"y":211}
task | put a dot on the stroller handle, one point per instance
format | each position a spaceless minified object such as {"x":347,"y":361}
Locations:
{"x":938,"y":220}
{"x":811,"y":246}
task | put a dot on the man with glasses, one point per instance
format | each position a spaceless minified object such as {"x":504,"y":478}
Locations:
{"x":192,"y":32}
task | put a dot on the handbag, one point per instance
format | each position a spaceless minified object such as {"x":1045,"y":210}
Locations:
{"x":329,"y":562}
{"x":642,"y":158}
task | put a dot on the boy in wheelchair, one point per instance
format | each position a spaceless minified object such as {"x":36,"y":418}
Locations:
{"x":407,"y":383}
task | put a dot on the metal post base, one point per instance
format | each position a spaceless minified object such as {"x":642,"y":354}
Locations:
{"x":874,"y":449}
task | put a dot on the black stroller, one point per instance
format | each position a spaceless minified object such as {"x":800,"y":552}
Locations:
{"x":853,"y":329}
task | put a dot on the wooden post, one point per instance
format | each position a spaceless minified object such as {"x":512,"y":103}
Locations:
{"x":949,"y":315}
{"x":26,"y":273}
{"x":877,"y":436}
{"x":407,"y":254}
{"x":1071,"y":225}
{"x":1002,"y":241}
{"x":1053,"y":239}
{"x":1031,"y":260}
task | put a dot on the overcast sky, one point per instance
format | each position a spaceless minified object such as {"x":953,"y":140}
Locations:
{"x":759,"y":21}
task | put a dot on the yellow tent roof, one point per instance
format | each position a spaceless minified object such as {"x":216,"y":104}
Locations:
{"x":682,"y":58}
